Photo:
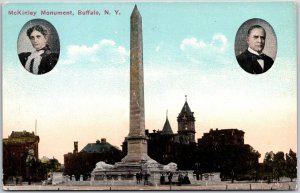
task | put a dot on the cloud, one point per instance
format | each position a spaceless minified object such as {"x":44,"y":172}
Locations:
{"x":193,"y":42}
{"x":218,"y":43}
{"x":204,"y":53}
{"x":104,"y":52}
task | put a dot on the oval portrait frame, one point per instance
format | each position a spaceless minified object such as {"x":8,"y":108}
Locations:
{"x":241,"y":45}
{"x":25,"y":48}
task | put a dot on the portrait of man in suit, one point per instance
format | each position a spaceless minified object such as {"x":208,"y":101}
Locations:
{"x":42,"y":59}
{"x":253,"y":60}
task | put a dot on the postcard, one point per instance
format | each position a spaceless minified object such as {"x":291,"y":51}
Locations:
{"x":149,"y":95}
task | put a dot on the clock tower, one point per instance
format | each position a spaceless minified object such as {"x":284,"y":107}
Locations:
{"x":186,"y":123}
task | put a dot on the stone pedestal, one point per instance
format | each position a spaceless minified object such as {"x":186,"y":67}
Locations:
{"x":137,"y":150}
{"x":73,"y":179}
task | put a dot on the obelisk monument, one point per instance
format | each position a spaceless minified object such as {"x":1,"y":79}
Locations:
{"x":136,"y":139}
{"x":136,"y":159}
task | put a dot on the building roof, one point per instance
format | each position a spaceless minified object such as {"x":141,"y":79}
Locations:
{"x":167,"y":128}
{"x":18,"y":134}
{"x":185,"y":112}
{"x":227,"y":131}
{"x":98,"y":147}
{"x":223,"y":136}
{"x":186,"y":109}
{"x":21,"y":137}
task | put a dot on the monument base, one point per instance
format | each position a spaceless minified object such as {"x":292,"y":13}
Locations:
{"x":125,"y":172}
{"x":135,"y":159}
{"x":127,"y":176}
{"x":137,"y":150}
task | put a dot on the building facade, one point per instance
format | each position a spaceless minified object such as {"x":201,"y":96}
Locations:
{"x":18,"y":149}
{"x":224,"y":150}
{"x":219,"y":150}
{"x":84,"y":161}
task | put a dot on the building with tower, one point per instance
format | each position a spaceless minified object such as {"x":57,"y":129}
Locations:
{"x":172,"y":145}
{"x":211,"y":150}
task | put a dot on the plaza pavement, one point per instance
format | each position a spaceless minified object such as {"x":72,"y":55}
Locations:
{"x":220,"y":186}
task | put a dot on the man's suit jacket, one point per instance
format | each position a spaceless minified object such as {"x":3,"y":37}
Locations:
{"x":248,"y":62}
{"x":48,"y":60}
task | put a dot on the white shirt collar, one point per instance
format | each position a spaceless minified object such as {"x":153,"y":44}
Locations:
{"x":253,"y":52}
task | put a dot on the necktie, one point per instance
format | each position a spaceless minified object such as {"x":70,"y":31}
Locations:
{"x":260,"y":57}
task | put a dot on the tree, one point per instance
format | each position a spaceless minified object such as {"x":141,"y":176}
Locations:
{"x":279,"y":165}
{"x":269,"y":165}
{"x":253,"y":164}
{"x":41,"y":171}
{"x":291,"y":165}
{"x":53,"y":165}
{"x":234,"y":162}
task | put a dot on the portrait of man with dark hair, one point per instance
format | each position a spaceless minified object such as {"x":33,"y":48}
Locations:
{"x":253,"y":60}
{"x":42,"y":60}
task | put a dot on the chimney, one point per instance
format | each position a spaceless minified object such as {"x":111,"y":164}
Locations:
{"x":75,"y":147}
{"x":103,"y":140}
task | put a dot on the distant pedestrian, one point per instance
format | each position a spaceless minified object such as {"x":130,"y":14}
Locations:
{"x":146,"y":179}
{"x":138,"y":180}
{"x":180,"y":179}
{"x":29,"y":180}
{"x":186,"y":179}
{"x":162,"y":179}
{"x":141,"y":176}
{"x":170,"y":176}
{"x":232,"y":176}
{"x":197,"y":176}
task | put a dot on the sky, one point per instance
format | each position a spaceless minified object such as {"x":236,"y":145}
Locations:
{"x":188,"y":49}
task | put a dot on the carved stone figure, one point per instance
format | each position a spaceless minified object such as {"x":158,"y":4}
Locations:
{"x":170,"y":167}
{"x":103,"y":166}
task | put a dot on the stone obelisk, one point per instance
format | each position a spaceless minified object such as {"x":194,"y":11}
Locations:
{"x":136,"y":139}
